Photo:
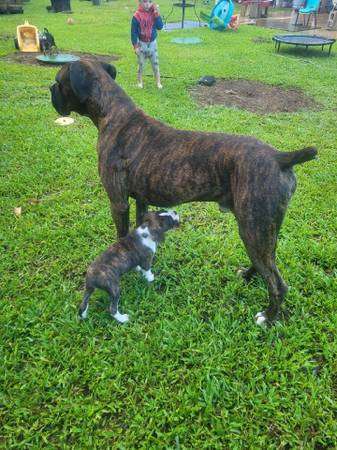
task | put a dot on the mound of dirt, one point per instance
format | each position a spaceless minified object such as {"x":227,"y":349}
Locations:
{"x":30,"y":58}
{"x":252,"y":96}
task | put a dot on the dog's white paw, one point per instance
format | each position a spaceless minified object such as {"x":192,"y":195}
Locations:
{"x":147,"y":273}
{"x":121,"y":318}
{"x":240,"y":273}
{"x":84,"y":314}
{"x":149,"y":276}
{"x":260,"y":319}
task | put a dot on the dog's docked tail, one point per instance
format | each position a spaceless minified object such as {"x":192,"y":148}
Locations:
{"x":289,"y":159}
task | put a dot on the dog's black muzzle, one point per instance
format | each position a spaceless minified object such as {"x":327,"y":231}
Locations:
{"x":58,"y":100}
{"x":174,"y":222}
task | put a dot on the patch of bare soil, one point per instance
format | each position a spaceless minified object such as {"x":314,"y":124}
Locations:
{"x":30,"y":58}
{"x":253,"y":96}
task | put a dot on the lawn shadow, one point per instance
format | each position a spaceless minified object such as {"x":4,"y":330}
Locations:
{"x":302,"y":52}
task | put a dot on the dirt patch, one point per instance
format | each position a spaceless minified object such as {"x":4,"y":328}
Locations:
{"x":253,"y":96}
{"x":30,"y":58}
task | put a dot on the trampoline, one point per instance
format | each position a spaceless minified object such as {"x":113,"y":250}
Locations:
{"x":303,"y":40}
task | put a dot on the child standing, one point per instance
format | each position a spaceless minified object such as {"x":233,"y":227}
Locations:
{"x":145,"y":23}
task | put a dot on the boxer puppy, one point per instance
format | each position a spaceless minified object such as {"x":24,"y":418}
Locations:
{"x":142,"y":158}
{"x":135,"y":251}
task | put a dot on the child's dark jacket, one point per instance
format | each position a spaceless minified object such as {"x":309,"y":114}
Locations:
{"x":144,"y":26}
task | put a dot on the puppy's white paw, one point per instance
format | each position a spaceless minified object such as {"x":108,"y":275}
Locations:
{"x":121,"y":318}
{"x":146,"y":273}
{"x":149,"y":276}
{"x":84,"y":314}
{"x":260,"y":319}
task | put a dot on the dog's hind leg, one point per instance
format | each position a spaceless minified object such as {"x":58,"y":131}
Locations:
{"x":261,"y":195}
{"x":247,"y":274}
{"x":262,"y":255}
{"x":83,"y":309}
{"x":277,"y":290}
{"x":114,"y":293}
{"x":260,"y":239}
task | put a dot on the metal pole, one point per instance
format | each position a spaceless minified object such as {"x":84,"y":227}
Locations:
{"x":183,"y":5}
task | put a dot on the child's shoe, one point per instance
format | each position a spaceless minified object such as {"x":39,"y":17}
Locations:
{"x":159,"y":86}
{"x":140,"y":84}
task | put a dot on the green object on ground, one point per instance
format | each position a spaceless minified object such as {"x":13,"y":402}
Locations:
{"x":60,"y":58}
{"x":191,"y":40}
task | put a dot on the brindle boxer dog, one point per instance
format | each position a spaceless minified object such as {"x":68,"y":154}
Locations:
{"x":155,"y":164}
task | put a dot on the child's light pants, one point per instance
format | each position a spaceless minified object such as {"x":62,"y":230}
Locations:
{"x":148,"y":50}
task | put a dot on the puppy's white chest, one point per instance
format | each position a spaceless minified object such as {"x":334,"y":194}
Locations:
{"x":146,"y":239}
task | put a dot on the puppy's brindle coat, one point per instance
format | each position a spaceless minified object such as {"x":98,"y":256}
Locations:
{"x":155,"y":164}
{"x":136,"y":250}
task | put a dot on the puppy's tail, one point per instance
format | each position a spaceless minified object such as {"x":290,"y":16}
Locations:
{"x":289,"y":159}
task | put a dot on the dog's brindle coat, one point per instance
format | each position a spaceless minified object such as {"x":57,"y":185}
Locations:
{"x":136,"y":250}
{"x":155,"y":164}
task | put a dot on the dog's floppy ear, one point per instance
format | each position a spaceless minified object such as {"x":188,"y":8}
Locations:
{"x":80,"y":80}
{"x":110,"y":69}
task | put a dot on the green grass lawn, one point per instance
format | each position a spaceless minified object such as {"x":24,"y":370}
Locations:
{"x":191,"y":369}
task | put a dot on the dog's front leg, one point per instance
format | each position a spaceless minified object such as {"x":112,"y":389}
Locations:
{"x":120,"y":215}
{"x":141,"y":210}
{"x":116,"y":186}
{"x":145,"y":268}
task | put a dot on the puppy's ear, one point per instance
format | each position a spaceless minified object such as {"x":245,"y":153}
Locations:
{"x":110,"y":69}
{"x":80,"y":80}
